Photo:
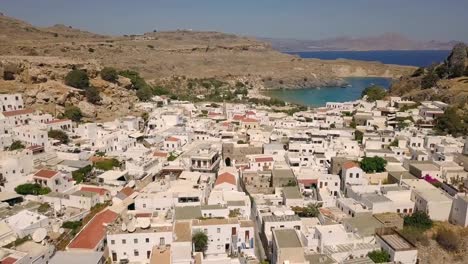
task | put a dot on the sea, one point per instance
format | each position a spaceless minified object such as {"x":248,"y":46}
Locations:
{"x":320,"y":96}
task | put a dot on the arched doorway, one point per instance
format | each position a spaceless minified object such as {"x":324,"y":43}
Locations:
{"x":227,"y":161}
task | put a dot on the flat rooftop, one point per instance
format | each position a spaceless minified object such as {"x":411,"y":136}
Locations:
{"x":287,"y":238}
{"x":397,"y":242}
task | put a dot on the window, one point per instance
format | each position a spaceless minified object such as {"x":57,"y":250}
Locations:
{"x":357,"y":175}
{"x":135,"y":241}
{"x":136,"y":253}
{"x":350,"y":175}
{"x":218,"y":230}
{"x":147,"y":240}
{"x":148,"y":254}
{"x":124,"y":241}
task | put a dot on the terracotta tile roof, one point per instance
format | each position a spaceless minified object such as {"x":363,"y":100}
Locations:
{"x":18,"y":112}
{"x":226,"y":177}
{"x":100,"y":191}
{"x":264,"y":159}
{"x":94,"y":232}
{"x":143,"y":214}
{"x":350,"y":164}
{"x":238,"y":117}
{"x":57,"y":121}
{"x":8,"y":260}
{"x":45,"y":174}
{"x":249,"y":120}
{"x":172,"y":139}
{"x":127,"y":191}
{"x":250,"y":113}
{"x":160,"y":154}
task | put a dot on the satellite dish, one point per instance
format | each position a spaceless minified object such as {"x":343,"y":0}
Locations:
{"x":144,"y":222}
{"x":289,"y":212}
{"x":278,"y":213}
{"x":131,"y":184}
{"x":39,"y":235}
{"x":61,"y":231}
{"x":131,"y":227}
{"x":124,"y":227}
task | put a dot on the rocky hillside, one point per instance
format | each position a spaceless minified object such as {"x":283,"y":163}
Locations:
{"x":41,"y":81}
{"x":446,"y":81}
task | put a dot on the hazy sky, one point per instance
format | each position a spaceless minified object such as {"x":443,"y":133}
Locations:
{"x":301,"y":19}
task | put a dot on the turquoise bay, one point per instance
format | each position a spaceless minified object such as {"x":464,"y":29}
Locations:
{"x":320,"y":96}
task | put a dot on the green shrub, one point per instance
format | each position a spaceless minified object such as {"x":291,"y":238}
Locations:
{"x":379,"y":256}
{"x":31,"y":189}
{"x":419,"y":220}
{"x":200,"y":241}
{"x":81,"y":174}
{"x":73,"y":113}
{"x":92,"y":95}
{"x":373,"y":164}
{"x":429,"y":80}
{"x":109,"y":74}
{"x":59,"y":135}
{"x":374,"y":93}
{"x":107,"y":164}
{"x":77,"y":78}
{"x":16,"y":145}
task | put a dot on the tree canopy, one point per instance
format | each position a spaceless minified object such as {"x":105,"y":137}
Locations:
{"x":418,"y":220}
{"x":78,"y":79}
{"x":59,"y":135}
{"x":374,"y":93}
{"x":92,"y":95}
{"x":454,"y":121}
{"x":200,"y":241}
{"x":31,"y":189}
{"x":373,"y":164}
{"x":16,"y":145}
{"x":73,"y":113}
{"x":379,"y":256}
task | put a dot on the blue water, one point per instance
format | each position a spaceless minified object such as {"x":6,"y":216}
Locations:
{"x":419,"y":58}
{"x":320,"y":96}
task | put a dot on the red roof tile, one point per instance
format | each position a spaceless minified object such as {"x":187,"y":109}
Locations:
{"x":127,"y":191}
{"x":160,"y":154}
{"x":264,"y":159}
{"x":18,"y":112}
{"x":249,"y":120}
{"x":250,"y":113}
{"x":238,"y":117}
{"x":100,"y":191}
{"x":94,"y":232}
{"x":226,"y":177}
{"x":172,"y":139}
{"x":8,"y":260}
{"x":45,"y":174}
{"x":350,"y":164}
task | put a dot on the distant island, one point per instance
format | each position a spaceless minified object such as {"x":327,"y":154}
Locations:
{"x":387,"y":41}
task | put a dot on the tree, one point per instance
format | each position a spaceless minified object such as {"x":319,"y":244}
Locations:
{"x":16,"y":145}
{"x":374,"y":93}
{"x":78,"y":79}
{"x":442,"y":71}
{"x":418,"y":72}
{"x":92,"y":95}
{"x":73,"y":113}
{"x":31,"y":189}
{"x":454,"y":121}
{"x":200,"y":241}
{"x":109,"y":74}
{"x":81,"y":174}
{"x":379,"y":256}
{"x":144,"y":93}
{"x":418,"y":219}
{"x":311,"y":210}
{"x":59,"y":135}
{"x":107,"y":164}
{"x":373,"y":164}
{"x":429,"y":80}
{"x":358,"y":136}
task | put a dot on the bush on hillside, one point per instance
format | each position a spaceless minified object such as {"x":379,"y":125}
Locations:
{"x":457,"y":59}
{"x":92,"y":95}
{"x":448,"y":239}
{"x":453,"y":121}
{"x":73,"y":113}
{"x":429,"y":80}
{"x":109,"y":74}
{"x":16,"y":145}
{"x":78,"y":79}
{"x":374,"y":93}
{"x":373,"y":164}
